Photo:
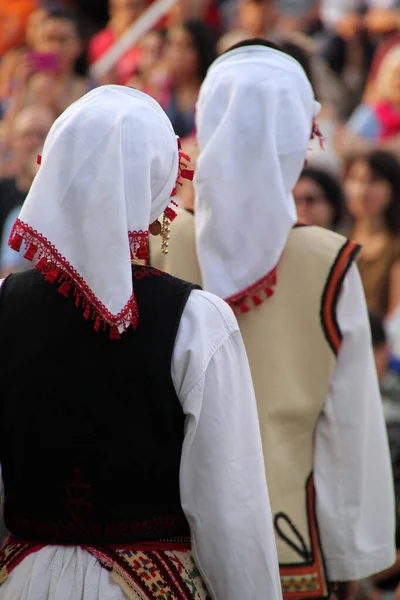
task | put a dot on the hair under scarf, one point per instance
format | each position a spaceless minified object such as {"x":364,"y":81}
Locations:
{"x":110,"y":164}
{"x":254,"y":121}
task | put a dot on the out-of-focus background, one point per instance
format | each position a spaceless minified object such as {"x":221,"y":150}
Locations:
{"x":53,"y":52}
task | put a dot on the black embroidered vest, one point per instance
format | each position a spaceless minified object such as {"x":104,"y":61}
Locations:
{"x":91,"y":429}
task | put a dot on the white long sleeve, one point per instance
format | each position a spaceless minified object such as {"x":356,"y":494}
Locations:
{"x":223,"y":488}
{"x":353,"y":476}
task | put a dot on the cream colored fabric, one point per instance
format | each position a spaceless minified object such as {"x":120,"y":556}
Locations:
{"x":290,"y":360}
{"x":181,"y":260}
{"x":292,"y":364}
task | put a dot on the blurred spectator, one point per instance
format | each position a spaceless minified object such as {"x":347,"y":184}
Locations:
{"x":372,"y":188}
{"x":49,"y":77}
{"x":381,"y":120}
{"x":389,"y":381}
{"x":12,"y":59}
{"x":29,"y":131}
{"x":259,"y":19}
{"x":11,"y":261}
{"x":189,"y":51}
{"x":123,"y":13}
{"x":13,"y":18}
{"x":150,"y":76}
{"x":319,"y":198}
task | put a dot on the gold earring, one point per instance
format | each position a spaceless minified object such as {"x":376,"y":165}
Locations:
{"x":165,"y":234}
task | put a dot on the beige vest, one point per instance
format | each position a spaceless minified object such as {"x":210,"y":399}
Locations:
{"x":291,"y":340}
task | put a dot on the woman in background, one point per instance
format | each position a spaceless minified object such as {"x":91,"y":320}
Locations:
{"x":372,"y":188}
{"x":319,"y":198}
{"x":189,"y":51}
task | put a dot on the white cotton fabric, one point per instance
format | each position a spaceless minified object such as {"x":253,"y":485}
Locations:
{"x":109,"y":166}
{"x":254,"y":121}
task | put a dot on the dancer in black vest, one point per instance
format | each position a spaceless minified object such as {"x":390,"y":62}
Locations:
{"x":129,"y":442}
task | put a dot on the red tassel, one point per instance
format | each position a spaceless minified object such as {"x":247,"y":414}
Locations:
{"x":31,"y":251}
{"x":52,"y":275}
{"x":170,"y":213}
{"x":39,"y":159}
{"x":184,"y":156}
{"x":86,"y":312}
{"x":179,"y":144}
{"x":16,"y":242}
{"x":243,"y":307}
{"x":269,"y":291}
{"x":42,"y":264}
{"x":187,"y":174}
{"x":134,"y":321}
{"x":114,"y":333}
{"x":65,"y":288}
{"x":256,"y":300}
{"x":97,"y":324}
{"x":142,"y":252}
{"x":173,"y":193}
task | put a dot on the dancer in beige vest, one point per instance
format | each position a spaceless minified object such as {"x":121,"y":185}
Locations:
{"x":298,"y":297}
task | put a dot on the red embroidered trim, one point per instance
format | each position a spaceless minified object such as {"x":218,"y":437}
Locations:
{"x":183,"y":173}
{"x":316,"y":132}
{"x":253,"y":295}
{"x":56,"y":269}
{"x":140,"y":272}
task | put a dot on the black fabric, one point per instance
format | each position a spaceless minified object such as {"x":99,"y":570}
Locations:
{"x":10,"y":198}
{"x":91,"y":429}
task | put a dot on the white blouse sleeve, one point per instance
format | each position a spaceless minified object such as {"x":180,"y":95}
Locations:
{"x":223,"y":488}
{"x":353,"y":475}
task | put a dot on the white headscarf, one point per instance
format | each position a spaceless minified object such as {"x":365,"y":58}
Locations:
{"x":254,"y":120}
{"x":109,"y":165}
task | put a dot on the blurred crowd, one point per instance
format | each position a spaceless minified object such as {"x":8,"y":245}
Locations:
{"x":350,"y":50}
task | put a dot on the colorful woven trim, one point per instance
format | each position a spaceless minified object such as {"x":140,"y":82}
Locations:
{"x":255,"y":294}
{"x":154,"y":574}
{"x":159,"y":570}
{"x":306,"y":579}
{"x":57,"y":270}
{"x":345,"y":258}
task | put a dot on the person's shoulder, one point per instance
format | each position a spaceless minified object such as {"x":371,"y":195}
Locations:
{"x":318,"y":239}
{"x":212,"y":311}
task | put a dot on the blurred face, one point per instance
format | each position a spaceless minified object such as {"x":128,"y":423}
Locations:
{"x":59,"y":36}
{"x":129,"y":9}
{"x":394,"y":85}
{"x":151,"y":47}
{"x":33,"y":27}
{"x":30,"y":131}
{"x":181,"y":54}
{"x":257,"y":18}
{"x":312,"y":205}
{"x":367,"y":196}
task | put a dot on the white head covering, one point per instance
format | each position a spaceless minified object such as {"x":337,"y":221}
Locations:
{"x":110,"y":163}
{"x":254,"y":120}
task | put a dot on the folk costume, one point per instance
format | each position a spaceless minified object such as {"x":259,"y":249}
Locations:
{"x":301,"y":310}
{"x":130,"y":447}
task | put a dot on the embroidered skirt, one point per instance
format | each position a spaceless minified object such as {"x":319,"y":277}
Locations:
{"x":162,"y":571}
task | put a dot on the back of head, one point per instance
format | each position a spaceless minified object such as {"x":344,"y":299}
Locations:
{"x":109,"y":166}
{"x":254,"y":121}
